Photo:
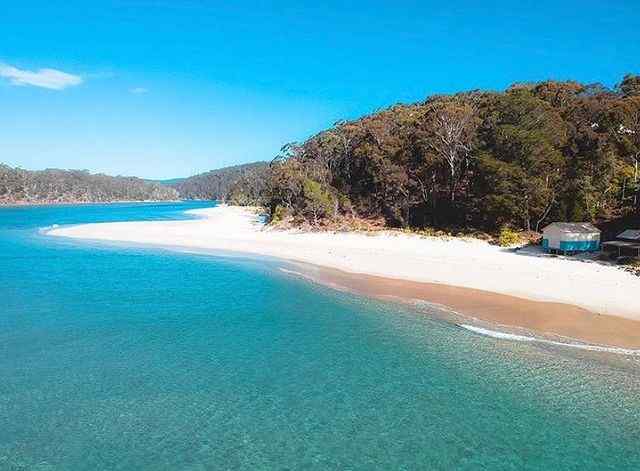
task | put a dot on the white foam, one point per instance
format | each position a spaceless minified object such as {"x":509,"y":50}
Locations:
{"x":45,"y":230}
{"x":523,"y":338}
{"x":496,"y":333}
{"x":312,"y":279}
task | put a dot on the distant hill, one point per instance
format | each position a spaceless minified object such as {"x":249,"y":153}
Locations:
{"x":241,"y":184}
{"x":167,"y":182}
{"x":18,"y":186}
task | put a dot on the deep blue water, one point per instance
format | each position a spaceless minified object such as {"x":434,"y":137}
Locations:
{"x":143,"y":359}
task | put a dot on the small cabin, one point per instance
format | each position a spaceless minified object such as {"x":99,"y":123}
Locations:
{"x":571,"y":237}
{"x":627,"y":243}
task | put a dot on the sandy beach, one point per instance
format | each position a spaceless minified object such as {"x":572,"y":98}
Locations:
{"x":574,"y":298}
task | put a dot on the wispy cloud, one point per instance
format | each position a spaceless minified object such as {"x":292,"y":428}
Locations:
{"x":45,"y":78}
{"x":138,"y":90}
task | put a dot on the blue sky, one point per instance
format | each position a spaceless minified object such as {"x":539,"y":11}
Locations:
{"x":162,"y":89}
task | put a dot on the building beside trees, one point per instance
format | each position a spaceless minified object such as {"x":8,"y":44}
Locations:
{"x":566,"y":237}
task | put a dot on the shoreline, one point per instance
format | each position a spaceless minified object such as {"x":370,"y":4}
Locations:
{"x":21,"y":204}
{"x":593,"y":303}
{"x":508,"y":315}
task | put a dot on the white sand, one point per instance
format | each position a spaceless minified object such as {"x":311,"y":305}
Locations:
{"x":465,"y":263}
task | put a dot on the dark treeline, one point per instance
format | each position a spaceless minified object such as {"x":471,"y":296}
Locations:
{"x":75,"y":186}
{"x":239,"y":184}
{"x":533,"y":154}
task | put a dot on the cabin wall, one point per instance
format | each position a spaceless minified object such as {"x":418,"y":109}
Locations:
{"x":570,"y":242}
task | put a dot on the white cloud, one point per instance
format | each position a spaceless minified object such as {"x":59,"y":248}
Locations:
{"x":46,"y":78}
{"x":138,"y":90}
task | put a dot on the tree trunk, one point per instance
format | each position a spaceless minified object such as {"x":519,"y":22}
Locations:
{"x":452,"y":185}
{"x":635,"y":181}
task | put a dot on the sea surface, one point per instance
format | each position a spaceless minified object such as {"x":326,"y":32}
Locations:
{"x":116,"y":358}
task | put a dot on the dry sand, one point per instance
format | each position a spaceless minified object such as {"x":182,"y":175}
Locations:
{"x":574,"y":298}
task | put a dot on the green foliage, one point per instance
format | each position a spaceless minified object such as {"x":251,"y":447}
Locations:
{"x":534,"y":154}
{"x":509,"y":238}
{"x":279,"y":214}
{"x":319,"y":203}
{"x":74,"y":186}
{"x":244,"y":185}
{"x":498,"y":186}
{"x":630,"y":85}
{"x":344,"y":204}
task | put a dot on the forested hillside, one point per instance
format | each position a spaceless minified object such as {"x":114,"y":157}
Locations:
{"x":240,"y":184}
{"x":533,"y":154}
{"x":75,"y":186}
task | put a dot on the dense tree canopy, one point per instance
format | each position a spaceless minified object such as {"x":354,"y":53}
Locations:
{"x":240,"y":184}
{"x":74,"y":186}
{"x":525,"y":157}
{"x":536,"y":153}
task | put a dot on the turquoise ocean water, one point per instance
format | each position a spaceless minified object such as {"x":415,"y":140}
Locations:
{"x":115,"y":358}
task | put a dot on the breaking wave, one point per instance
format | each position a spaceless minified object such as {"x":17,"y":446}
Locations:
{"x":524,"y":338}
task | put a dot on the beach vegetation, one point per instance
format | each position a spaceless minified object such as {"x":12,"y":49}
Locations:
{"x":510,"y":238}
{"x":279,"y":214}
{"x":523,"y":158}
{"x":318,"y":201}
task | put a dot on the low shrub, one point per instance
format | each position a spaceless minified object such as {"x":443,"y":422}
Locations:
{"x":279,"y":214}
{"x":319,"y":202}
{"x":509,"y":238}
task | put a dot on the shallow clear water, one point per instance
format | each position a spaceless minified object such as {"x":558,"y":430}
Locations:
{"x":144,"y":359}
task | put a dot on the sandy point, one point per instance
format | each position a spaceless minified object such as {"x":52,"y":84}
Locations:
{"x":588,"y":301}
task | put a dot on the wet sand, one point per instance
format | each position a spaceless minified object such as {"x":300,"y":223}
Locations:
{"x":560,"y":322}
{"x":555,"y":297}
